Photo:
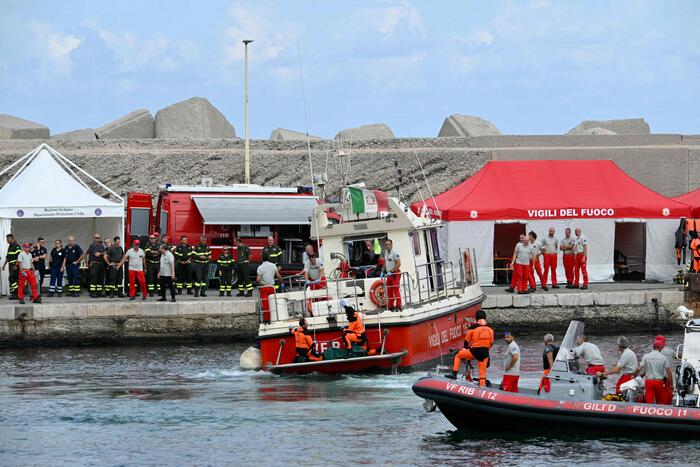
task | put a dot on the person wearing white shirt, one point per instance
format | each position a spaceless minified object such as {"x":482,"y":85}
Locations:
{"x":626,"y":364}
{"x":511,"y":364}
{"x":550,"y":247}
{"x":535,"y":265}
{"x":581,"y":250}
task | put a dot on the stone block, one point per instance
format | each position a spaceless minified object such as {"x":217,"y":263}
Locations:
{"x":550,"y":300}
{"x":585,"y":299}
{"x":504,"y":301}
{"x":567,"y":299}
{"x":628,"y":126}
{"x":598,"y":131}
{"x":282,"y":134}
{"x":457,"y":125}
{"x":537,"y":300}
{"x":671,"y":297}
{"x":521,"y":301}
{"x":490,"y":302}
{"x":135,"y":125}
{"x":192,"y":118}
{"x":7,"y":312}
{"x":637,"y":298}
{"x":12,"y":127}
{"x":84,"y":134}
{"x":366,"y":132}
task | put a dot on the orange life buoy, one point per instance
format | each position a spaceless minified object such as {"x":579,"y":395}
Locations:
{"x":377,"y":293}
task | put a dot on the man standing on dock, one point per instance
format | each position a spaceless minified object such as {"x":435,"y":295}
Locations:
{"x":74,"y":255}
{"x":581,"y":249}
{"x":568,"y":258}
{"x":135,"y":257}
{"x":13,"y":251}
{"x":520,"y":264}
{"x":115,"y":274}
{"x":535,"y":265}
{"x":511,"y":364}
{"x":550,"y":247}
{"x":245,"y":286}
{"x":26,"y":274}
{"x":201,"y":254}
{"x":182,"y":255}
{"x":274,"y":252}
{"x":152,"y":252}
{"x":95,"y":254}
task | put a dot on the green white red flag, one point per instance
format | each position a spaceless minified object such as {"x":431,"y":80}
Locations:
{"x":368,"y":201}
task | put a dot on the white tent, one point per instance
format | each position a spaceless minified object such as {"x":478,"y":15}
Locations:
{"x":49,"y":196}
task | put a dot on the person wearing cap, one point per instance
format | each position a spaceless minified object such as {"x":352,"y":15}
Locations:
{"x":591,"y":354}
{"x":224,"y":265}
{"x":95,"y":254}
{"x":152,"y":252}
{"x":74,"y":255}
{"x":135,"y":257}
{"x":314,"y":273}
{"x":511,"y":364}
{"x":657,"y":374}
{"x":26,"y":274}
{"x":626,"y":365}
{"x":267,"y":274}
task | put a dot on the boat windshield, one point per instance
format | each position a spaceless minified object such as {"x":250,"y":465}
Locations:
{"x":569,"y":342}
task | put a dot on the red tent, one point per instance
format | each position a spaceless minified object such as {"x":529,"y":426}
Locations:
{"x":692,"y":199}
{"x":555,"y":189}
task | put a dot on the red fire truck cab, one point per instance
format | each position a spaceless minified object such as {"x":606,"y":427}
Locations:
{"x":223,"y":213}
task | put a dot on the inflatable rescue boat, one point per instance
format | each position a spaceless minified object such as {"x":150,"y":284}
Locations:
{"x":575,"y":403}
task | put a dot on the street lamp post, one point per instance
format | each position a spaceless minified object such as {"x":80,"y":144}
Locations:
{"x":247,"y":135}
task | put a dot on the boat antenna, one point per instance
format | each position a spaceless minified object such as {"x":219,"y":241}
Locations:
{"x":420,"y":165}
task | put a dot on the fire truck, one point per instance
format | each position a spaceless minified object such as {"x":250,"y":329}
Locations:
{"x":223,"y":213}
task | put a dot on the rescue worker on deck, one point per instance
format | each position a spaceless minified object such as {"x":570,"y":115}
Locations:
{"x":568,"y":258}
{"x":392,"y":272}
{"x":201,"y":254}
{"x":267,"y":275}
{"x":657,"y":373}
{"x":274,"y":252}
{"x":626,"y":365}
{"x":13,"y":251}
{"x":550,"y":249}
{"x":225,"y":266}
{"x":477,"y":342}
{"x":245,"y":286}
{"x":355,"y":332}
{"x":580,"y":268}
{"x":183,"y":253}
{"x":304,"y":344}
{"x":591,"y":354}
{"x":152,"y":252}
{"x":549,"y":354}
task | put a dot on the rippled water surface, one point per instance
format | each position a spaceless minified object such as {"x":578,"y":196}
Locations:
{"x":191,"y":404}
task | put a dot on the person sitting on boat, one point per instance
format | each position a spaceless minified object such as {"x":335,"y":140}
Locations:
{"x":314,"y":274}
{"x":511,"y":364}
{"x":591,"y":354}
{"x":355,"y":331}
{"x":657,"y":373}
{"x":625,"y":366}
{"x":477,"y":342}
{"x":306,"y":350}
{"x":548,"y":355}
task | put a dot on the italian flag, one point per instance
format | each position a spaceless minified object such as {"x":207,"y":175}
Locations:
{"x":368,"y":201}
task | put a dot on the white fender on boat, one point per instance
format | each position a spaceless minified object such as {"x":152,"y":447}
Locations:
{"x":251,"y":359}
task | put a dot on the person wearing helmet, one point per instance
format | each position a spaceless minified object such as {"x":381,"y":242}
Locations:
{"x":477,"y":342}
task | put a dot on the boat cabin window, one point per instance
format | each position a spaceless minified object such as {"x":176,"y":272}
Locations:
{"x":365,"y":251}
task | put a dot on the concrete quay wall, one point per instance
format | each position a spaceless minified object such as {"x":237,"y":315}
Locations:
{"x":123,"y":323}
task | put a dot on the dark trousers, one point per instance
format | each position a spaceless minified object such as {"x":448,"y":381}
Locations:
{"x":73,"y":273}
{"x":115,"y":280}
{"x":40,"y":282}
{"x":152,"y":277}
{"x":166,"y":283}
{"x":225,"y":280}
{"x":182,"y":270}
{"x":243,"y":272}
{"x":201,"y":275}
{"x":56,"y":280}
{"x":14,"y":278}
{"x":97,"y":277}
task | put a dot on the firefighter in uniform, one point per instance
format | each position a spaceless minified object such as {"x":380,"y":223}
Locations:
{"x":152,"y":252}
{"x":477,"y":342}
{"x":225,"y":264}
{"x":74,"y":255}
{"x":274,"y":253}
{"x":245,"y":286}
{"x":182,"y":266}
{"x":13,"y":251}
{"x":201,"y":254}
{"x":115,"y":275}
{"x":97,"y":266}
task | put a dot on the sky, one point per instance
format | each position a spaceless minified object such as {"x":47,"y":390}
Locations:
{"x":530,"y":66}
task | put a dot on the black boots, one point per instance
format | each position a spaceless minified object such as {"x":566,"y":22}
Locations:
{"x":452,"y":375}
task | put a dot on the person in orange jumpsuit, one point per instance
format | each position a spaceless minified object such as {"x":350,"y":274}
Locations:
{"x":355,"y":332}
{"x":478,"y":341}
{"x":306,"y":350}
{"x":695,"y":250}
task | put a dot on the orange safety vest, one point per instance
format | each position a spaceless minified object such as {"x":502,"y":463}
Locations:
{"x":356,"y":326}
{"x":301,"y":340}
{"x":480,"y":336}
{"x":692,"y":224}
{"x":695,"y":247}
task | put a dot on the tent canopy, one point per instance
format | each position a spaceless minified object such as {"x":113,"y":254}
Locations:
{"x":551,"y":189}
{"x":43,"y":188}
{"x":692,"y":199}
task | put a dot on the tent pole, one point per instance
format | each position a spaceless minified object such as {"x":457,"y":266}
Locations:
{"x":29,"y":156}
{"x":70,"y":171}
{"x":102,"y":185}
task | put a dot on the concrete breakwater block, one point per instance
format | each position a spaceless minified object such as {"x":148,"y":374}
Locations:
{"x":12,"y":127}
{"x":84,"y":134}
{"x":627,"y":126}
{"x":457,"y":125}
{"x":192,"y":118}
{"x":366,"y":132}
{"x":598,"y":131}
{"x":135,"y":125}
{"x":282,"y":134}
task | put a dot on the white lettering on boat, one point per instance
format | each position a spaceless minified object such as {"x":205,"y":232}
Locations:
{"x":444,"y":336}
{"x":659,"y":411}
{"x":323,"y":346}
{"x":599,"y":407}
